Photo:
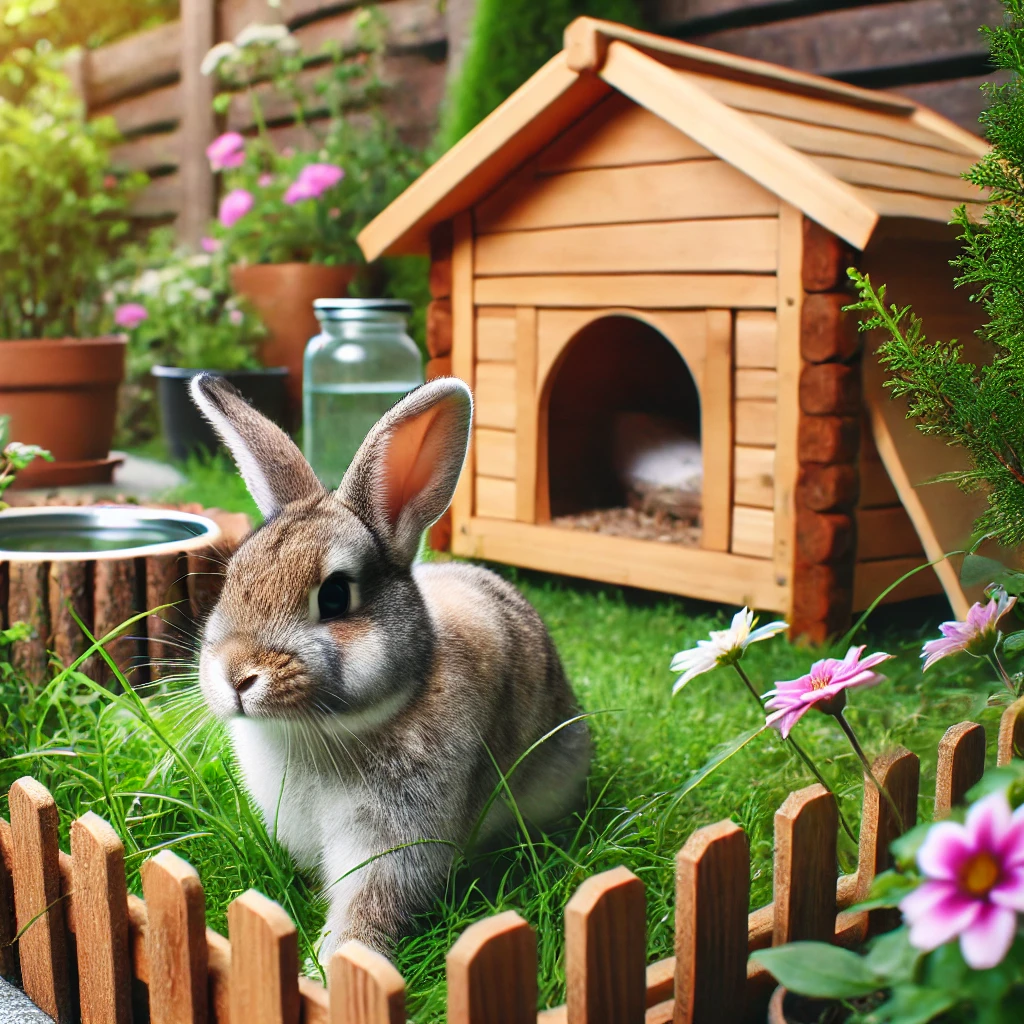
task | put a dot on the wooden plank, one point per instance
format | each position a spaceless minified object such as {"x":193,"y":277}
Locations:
{"x":1011,"y":733}
{"x":463,"y":353}
{"x":314,"y":1002}
{"x":712,"y":893}
{"x":641,"y":291}
{"x":961,"y":765}
{"x":959,"y":99}
{"x":43,"y":946}
{"x":876,"y":489}
{"x":8,"y":923}
{"x":496,"y":338}
{"x":28,"y":602}
{"x":753,"y":531}
{"x":757,"y":383}
{"x":218,"y":951}
{"x":166,"y":584}
{"x":754,"y":476}
{"x":756,"y":423}
{"x":364,"y":987}
{"x":264,"y":983}
{"x":886,"y":533}
{"x":495,"y":452}
{"x":756,"y":332}
{"x":735,"y":139}
{"x":908,"y":204}
{"x":527,"y":442}
{"x":606,"y":950}
{"x":686,"y":190}
{"x":748,"y":245}
{"x":804,"y":873}
{"x":616,"y":133}
{"x":198,"y":120}
{"x":411,"y":24}
{"x":492,"y":973}
{"x":716,"y":414}
{"x":495,"y":499}
{"x":495,"y":395}
{"x":175,"y":940}
{"x":871,"y":578}
{"x":158,"y":109}
{"x":101,"y":922}
{"x":70,"y":597}
{"x":672,"y":568}
{"x":162,"y":197}
{"x":115,"y":589}
{"x":133,"y":64}
{"x":158,"y":151}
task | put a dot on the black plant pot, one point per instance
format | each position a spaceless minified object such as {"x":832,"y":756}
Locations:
{"x":185,"y":430}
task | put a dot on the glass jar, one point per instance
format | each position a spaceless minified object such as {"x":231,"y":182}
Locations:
{"x":359,"y":365}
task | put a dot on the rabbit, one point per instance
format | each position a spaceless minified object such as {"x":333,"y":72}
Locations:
{"x":370,"y":698}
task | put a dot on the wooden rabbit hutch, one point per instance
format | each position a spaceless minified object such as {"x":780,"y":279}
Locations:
{"x":650,"y":239}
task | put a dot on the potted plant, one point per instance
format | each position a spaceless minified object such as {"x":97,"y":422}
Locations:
{"x":288,"y":217}
{"x":62,"y":223}
{"x":181,"y":317}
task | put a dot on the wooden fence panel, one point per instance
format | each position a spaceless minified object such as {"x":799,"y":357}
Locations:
{"x":606,"y":950}
{"x":492,"y":973}
{"x":131,"y":65}
{"x":8,"y":928}
{"x":364,"y":988}
{"x":43,"y":946}
{"x":961,"y":765}
{"x":70,"y":596}
{"x":712,"y":895}
{"x":175,"y":941}
{"x":1011,"y":733}
{"x":167,"y":630}
{"x":101,"y":922}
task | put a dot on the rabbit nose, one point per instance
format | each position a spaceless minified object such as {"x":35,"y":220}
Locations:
{"x":245,"y":683}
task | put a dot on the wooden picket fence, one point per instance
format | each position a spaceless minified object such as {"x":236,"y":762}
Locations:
{"x":90,"y":950}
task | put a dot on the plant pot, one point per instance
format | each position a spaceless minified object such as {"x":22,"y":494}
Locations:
{"x":61,"y":393}
{"x":185,"y":430}
{"x":787,"y":1007}
{"x":283,"y":294}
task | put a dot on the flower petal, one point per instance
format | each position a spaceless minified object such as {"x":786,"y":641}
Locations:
{"x":988,"y":938}
{"x":1009,"y":890}
{"x":786,"y":718}
{"x":988,"y":821}
{"x":943,"y":921}
{"x":944,"y":850}
{"x":925,"y":898}
{"x":764,"y":632}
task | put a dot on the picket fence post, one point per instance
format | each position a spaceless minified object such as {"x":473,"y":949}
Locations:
{"x":364,"y":987}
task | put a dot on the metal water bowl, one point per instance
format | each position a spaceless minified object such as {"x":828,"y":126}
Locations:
{"x":100,"y":532}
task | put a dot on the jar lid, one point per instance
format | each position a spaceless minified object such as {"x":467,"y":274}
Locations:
{"x":358,"y":309}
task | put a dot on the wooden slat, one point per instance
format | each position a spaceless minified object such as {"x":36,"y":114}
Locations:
{"x":198,"y":120}
{"x":364,"y":988}
{"x":43,"y":947}
{"x":886,"y":533}
{"x":687,"y":190}
{"x":166,"y":584}
{"x":314,"y":1003}
{"x":527,"y":442}
{"x":153,"y":110}
{"x":101,"y":922}
{"x":116,"y":600}
{"x":495,"y":395}
{"x":961,"y":765}
{"x":757,"y":384}
{"x":672,"y":568}
{"x":8,"y":924}
{"x":756,"y":423}
{"x":959,"y":99}
{"x":496,"y":338}
{"x":756,"y":332}
{"x":463,"y":352}
{"x":162,"y":197}
{"x":131,"y":65}
{"x":175,"y":940}
{"x":605,"y":950}
{"x":492,"y":973}
{"x":495,"y":499}
{"x":138,"y":928}
{"x":641,"y":291}
{"x":754,"y":476}
{"x":70,"y":596}
{"x":28,"y":602}
{"x":716,"y":430}
{"x":264,"y":982}
{"x":804,"y":875}
{"x":411,"y":24}
{"x":876,"y":489}
{"x":871,"y":578}
{"x":753,"y":531}
{"x":1011,"y":733}
{"x":495,"y":453}
{"x":748,"y":245}
{"x":712,"y":893}
{"x":149,"y":152}
{"x":906,"y":204}
{"x":218,"y":951}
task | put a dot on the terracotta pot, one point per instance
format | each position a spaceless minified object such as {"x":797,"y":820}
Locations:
{"x":61,"y":393}
{"x":787,"y":1007}
{"x":283,"y":294}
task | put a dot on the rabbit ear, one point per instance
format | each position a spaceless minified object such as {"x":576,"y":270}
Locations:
{"x":271,"y":465}
{"x":404,"y":475}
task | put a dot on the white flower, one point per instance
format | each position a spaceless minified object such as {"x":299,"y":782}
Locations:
{"x":725,"y":647}
{"x":216,"y":56}
{"x":201,"y":294}
{"x":261,"y":35}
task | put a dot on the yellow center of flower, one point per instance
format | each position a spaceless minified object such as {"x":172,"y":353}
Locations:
{"x":819,"y":683}
{"x":979,"y":874}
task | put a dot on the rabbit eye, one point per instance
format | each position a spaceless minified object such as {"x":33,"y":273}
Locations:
{"x":334,"y":597}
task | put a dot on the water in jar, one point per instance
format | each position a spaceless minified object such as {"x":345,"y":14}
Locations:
{"x":359,"y":365}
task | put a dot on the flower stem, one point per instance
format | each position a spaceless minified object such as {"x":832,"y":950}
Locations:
{"x":859,"y":751}
{"x":801,"y":753}
{"x":998,"y":666}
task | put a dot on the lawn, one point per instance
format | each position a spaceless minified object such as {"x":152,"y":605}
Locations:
{"x":163,"y":776}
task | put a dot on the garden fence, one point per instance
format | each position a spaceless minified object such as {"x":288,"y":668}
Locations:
{"x":89,"y":947}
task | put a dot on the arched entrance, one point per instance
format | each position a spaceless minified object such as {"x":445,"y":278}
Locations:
{"x":623,"y":434}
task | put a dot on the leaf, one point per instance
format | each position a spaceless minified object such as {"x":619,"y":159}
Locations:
{"x":887,"y":889}
{"x":1013,"y":642}
{"x":904,"y":848}
{"x":911,"y":1004}
{"x":892,"y":956}
{"x":819,"y":970}
{"x":979,"y":571}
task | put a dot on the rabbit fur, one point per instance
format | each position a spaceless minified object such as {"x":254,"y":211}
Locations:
{"x":381,"y":727}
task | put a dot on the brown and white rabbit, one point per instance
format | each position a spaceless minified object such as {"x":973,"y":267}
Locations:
{"x":368,"y":697}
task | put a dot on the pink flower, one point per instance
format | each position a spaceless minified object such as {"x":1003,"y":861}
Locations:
{"x":978,"y":632}
{"x":236,"y":317}
{"x":210,"y":245}
{"x":130,"y":315}
{"x":227,"y":150}
{"x":234,"y":206}
{"x":265,"y":180}
{"x":313,"y":181}
{"x":975,"y":883}
{"x":828,"y":680}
